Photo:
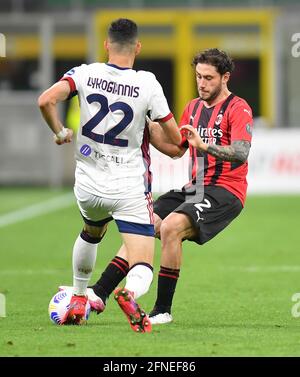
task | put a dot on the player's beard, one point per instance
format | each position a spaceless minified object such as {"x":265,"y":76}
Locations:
{"x":209,"y":97}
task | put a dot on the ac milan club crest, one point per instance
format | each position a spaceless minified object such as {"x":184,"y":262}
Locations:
{"x":219,"y":119}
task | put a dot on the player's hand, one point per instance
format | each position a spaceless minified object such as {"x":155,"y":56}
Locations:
{"x":66,"y":139}
{"x":151,"y":124}
{"x":193,"y":137}
{"x":154,"y":129}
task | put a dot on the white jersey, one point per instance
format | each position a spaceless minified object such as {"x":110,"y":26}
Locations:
{"x":112,"y":151}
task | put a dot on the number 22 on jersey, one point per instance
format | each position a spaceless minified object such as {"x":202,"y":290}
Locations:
{"x":110,"y":137}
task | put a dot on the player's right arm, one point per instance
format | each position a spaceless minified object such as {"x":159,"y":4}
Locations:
{"x":47,"y":102}
{"x":160,"y":112}
{"x":159,"y":140}
{"x":171,"y":131}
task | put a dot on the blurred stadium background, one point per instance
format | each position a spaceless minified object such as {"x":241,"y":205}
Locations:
{"x":45,"y":38}
{"x":248,"y":274}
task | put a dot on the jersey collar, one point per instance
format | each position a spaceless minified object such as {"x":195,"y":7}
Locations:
{"x":117,"y":67}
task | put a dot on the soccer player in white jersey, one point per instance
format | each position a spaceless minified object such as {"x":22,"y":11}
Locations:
{"x":112,"y":178}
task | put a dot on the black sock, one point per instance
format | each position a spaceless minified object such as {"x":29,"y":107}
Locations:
{"x":110,"y":278}
{"x":167,"y":280}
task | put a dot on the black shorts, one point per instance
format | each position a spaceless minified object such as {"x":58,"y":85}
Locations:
{"x":210,"y":215}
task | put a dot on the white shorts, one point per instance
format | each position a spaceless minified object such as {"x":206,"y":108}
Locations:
{"x":131,"y":215}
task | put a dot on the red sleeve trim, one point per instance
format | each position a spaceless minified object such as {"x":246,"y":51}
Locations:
{"x":165,"y":119}
{"x":184,"y":143}
{"x":71,"y":83}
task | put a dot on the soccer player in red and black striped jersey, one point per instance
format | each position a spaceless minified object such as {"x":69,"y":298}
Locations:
{"x":217,"y":129}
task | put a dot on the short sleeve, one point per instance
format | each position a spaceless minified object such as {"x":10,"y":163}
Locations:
{"x":185,"y":119}
{"x":241,"y":121}
{"x":158,"y":105}
{"x":74,"y":77}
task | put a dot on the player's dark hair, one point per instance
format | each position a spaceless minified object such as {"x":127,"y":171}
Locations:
{"x":123,"y":31}
{"x":217,"y":58}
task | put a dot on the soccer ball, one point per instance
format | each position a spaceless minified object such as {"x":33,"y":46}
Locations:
{"x":59,"y":305}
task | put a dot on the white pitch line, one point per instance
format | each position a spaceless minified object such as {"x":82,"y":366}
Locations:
{"x":42,"y":208}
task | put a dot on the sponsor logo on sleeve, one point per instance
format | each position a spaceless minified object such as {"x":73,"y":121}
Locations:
{"x":248,"y":112}
{"x":249,"y":128}
{"x":71,"y":72}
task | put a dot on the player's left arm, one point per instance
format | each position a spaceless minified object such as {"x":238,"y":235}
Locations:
{"x":237,"y":151}
{"x":47,"y":102}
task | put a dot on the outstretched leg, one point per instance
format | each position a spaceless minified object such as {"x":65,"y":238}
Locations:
{"x":140,"y":251}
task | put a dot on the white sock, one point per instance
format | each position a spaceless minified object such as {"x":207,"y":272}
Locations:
{"x":139,"y":279}
{"x":84,"y":258}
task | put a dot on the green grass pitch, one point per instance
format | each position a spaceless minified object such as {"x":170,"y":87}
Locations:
{"x":233,"y":298}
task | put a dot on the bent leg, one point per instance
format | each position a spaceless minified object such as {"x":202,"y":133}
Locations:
{"x":140,"y":251}
{"x":173,"y":230}
{"x":117,"y":269}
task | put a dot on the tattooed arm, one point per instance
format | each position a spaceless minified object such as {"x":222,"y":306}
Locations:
{"x":237,"y":151}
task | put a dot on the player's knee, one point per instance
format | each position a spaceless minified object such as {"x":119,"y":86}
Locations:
{"x":169,"y":229}
{"x":95,"y":232}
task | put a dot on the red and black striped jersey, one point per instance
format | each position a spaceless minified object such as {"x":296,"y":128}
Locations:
{"x":229,"y":120}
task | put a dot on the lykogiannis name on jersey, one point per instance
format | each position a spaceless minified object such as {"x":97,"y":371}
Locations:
{"x":113,"y":87}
